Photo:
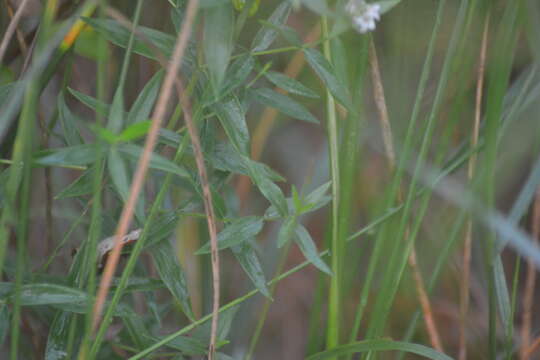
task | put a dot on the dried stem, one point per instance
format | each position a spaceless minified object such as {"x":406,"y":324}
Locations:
{"x":465,"y":281}
{"x":528,"y":295}
{"x":142,"y":166}
{"x":209,"y":209}
{"x":11,"y":29}
{"x":20,"y":36}
{"x":380,"y":102}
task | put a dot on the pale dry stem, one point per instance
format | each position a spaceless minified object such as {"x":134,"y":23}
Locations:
{"x":380,"y":103}
{"x":11,"y":29}
{"x":464,"y":285}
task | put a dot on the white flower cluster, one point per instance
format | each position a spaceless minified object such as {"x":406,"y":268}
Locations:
{"x":363,"y":15}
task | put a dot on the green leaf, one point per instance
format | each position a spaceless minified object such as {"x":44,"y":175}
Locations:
{"x":325,"y":71}
{"x":68,"y":122}
{"x":49,"y":294}
{"x":246,"y":256}
{"x":308,"y":248}
{"x":142,"y":107}
{"x":286,"y":230}
{"x":224,"y":326}
{"x":237,"y":232}
{"x":225,"y":158}
{"x":134,"y":131}
{"x":81,"y":186}
{"x":289,"y":84}
{"x":103,"y":133}
{"x":317,"y":198}
{"x":379,"y":345}
{"x":119,"y":35}
{"x":237,"y":73}
{"x":78,"y":155}
{"x":172,"y":274}
{"x":187,"y":345}
{"x":58,"y":337}
{"x":98,"y":106}
{"x":218,"y":41}
{"x":284,"y":104}
{"x":265,"y":185}
{"x":232,"y":118}
{"x":288,"y":33}
{"x":266,"y":35}
{"x":157,"y":162}
{"x":118,"y":172}
{"x":116,"y":113}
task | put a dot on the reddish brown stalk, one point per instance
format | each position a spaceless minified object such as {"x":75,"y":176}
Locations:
{"x":528,"y":295}
{"x":142,"y":167}
{"x":209,"y":209}
{"x":464,"y":288}
{"x":380,"y":103}
{"x":20,"y":36}
{"x":11,"y":29}
{"x":532,"y":349}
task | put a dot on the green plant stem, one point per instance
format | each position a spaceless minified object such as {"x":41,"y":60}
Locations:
{"x":332,"y":335}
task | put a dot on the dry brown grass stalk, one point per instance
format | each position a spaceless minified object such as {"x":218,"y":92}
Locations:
{"x":465,"y":281}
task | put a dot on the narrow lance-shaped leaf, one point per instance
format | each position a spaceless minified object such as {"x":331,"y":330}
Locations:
{"x":237,"y":74}
{"x":81,"y":186}
{"x":118,"y":172}
{"x":284,"y":104}
{"x":134,"y":131}
{"x":289,"y":84}
{"x":116,"y":113}
{"x":237,"y":232}
{"x":78,"y":155}
{"x":232,"y":118}
{"x":172,"y":274}
{"x":98,"y":106}
{"x":379,"y":345}
{"x":58,"y":334}
{"x":266,"y":35}
{"x":119,"y":35}
{"x":246,"y":256}
{"x":141,"y":108}
{"x":157,"y":162}
{"x":286,"y":230}
{"x":68,"y":122}
{"x":119,"y":175}
{"x":308,"y":248}
{"x":270,"y":190}
{"x":325,"y":71}
{"x":218,"y":41}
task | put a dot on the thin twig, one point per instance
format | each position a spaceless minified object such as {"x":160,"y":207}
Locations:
{"x":20,"y":35}
{"x":209,"y":209}
{"x":11,"y":29}
{"x":532,"y":349}
{"x":528,"y":295}
{"x":142,"y":166}
{"x":380,"y":103}
{"x":464,"y":289}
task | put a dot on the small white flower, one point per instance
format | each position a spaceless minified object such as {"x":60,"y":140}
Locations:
{"x":363,"y":15}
